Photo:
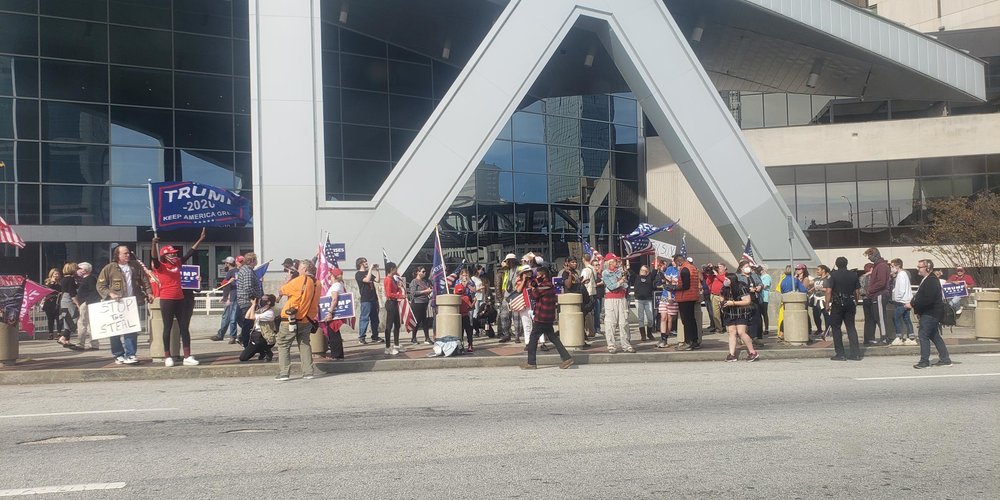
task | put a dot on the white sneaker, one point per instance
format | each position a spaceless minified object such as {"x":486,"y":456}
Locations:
{"x":898,"y":341}
{"x":958,"y":311}
{"x":400,"y":348}
{"x":168,"y":362}
{"x":131,"y":360}
{"x":120,"y":360}
{"x":394,"y":351}
{"x":388,"y":352}
{"x":190,"y":361}
{"x":910,"y":342}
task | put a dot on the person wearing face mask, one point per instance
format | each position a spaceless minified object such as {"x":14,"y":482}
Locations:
{"x":420,"y":297}
{"x":263,"y":315}
{"x":642,"y":286}
{"x":173,"y":304}
{"x":508,"y":322}
{"x":616,"y":305}
{"x":927,"y":304}
{"x":753,"y":285}
{"x":902,"y":293}
{"x":819,"y":301}
{"x":330,"y":326}
{"x":737,"y":309}
{"x":880,"y":292}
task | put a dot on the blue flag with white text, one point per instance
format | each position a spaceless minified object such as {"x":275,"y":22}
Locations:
{"x":192,"y":204}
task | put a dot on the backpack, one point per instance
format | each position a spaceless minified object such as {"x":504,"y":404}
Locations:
{"x":949,"y":318}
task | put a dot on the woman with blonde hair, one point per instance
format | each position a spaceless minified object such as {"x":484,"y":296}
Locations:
{"x":50,"y":305}
{"x":69,"y":309}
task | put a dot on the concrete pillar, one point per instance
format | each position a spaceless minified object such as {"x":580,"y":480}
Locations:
{"x":571,"y":320}
{"x":449,"y":319}
{"x":796,"y":318}
{"x":317,"y":340}
{"x":987,"y":316}
{"x":9,"y":343}
{"x":156,"y":335}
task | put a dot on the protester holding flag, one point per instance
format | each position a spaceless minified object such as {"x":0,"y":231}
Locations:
{"x":420,"y":298}
{"x":525,"y":277}
{"x":366,"y":278}
{"x":544,"y":295}
{"x":124,"y":277}
{"x":330,"y":326}
{"x":173,"y":303}
{"x":508,"y":322}
{"x":616,"y":305}
{"x":393,"y":294}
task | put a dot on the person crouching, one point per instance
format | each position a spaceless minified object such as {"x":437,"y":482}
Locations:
{"x":264,"y":334}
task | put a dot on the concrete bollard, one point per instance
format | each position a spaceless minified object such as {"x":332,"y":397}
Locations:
{"x":9,"y":348}
{"x":156,"y":335}
{"x":987,"y":316}
{"x":796,"y":318}
{"x":449,"y":318}
{"x":571,"y":320}
{"x":317,"y":341}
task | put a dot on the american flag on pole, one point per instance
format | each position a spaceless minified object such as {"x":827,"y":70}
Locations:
{"x":587,"y":249}
{"x":748,"y":253}
{"x":645,"y":230}
{"x":637,"y":247}
{"x":325,"y":264}
{"x":406,"y":316}
{"x":7,"y":235}
{"x":453,"y":277}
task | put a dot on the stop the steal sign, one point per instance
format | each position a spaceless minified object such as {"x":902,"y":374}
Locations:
{"x":114,"y":317}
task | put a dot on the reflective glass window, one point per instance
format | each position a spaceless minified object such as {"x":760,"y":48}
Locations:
{"x":330,"y":34}
{"x":401,"y":54}
{"x":819,"y":102}
{"x":842,"y":204}
{"x":401,"y":140}
{"x":334,"y":178}
{"x":331,"y":69}
{"x":499,"y":156}
{"x":624,"y":110}
{"x":141,"y":127}
{"x":811,"y":205}
{"x":788,"y":195}
{"x":528,"y":127}
{"x":444,"y":76}
{"x":493,"y":185}
{"x":19,"y":34}
{"x":904,"y":202}
{"x":75,"y":164}
{"x":626,"y":138}
{"x":626,"y":166}
{"x":566,"y":218}
{"x":842,"y":172}
{"x":241,"y":95}
{"x":366,"y":143}
{"x":505,"y":131}
{"x":626,"y":219}
{"x":596,"y":163}
{"x":936,"y":189}
{"x":596,"y":191}
{"x":596,"y":135}
{"x":141,"y":47}
{"x":203,"y":130}
{"x":142,"y":87}
{"x":76,"y":205}
{"x":244,"y":171}
{"x":872,"y":170}
{"x":935,"y":166}
{"x":810,"y":173}
{"x":409,"y":112}
{"x":993,"y":164}
{"x":242,"y":133}
{"x":799,"y":109}
{"x":775,"y":110}
{"x":27,"y":206}
{"x":332,"y":143}
{"x":782,"y":175}
{"x":902,"y":169}
{"x":356,"y":43}
{"x":127,"y":205}
{"x":969,"y":164}
{"x":531,"y":217}
{"x":365,"y":177}
{"x":205,"y":54}
{"x":203,"y":92}
{"x":241,"y":58}
{"x":564,"y":189}
{"x":571,"y":106}
{"x":529,"y":158}
{"x":66,"y":121}
{"x":74,"y":81}
{"x":751,"y":111}
{"x":241,"y":20}
{"x":843,"y":238}
{"x":530,"y":188}
{"x":146,"y":13}
{"x":67,"y":39}
{"x":91,"y":10}
{"x":410,"y":79}
{"x":365,"y":108}
{"x":565,"y":161}
{"x":210,"y":167}
{"x":133,"y":166}
{"x":26,"y":6}
{"x":208,"y":17}
{"x":626,"y":194}
{"x":18,"y":76}
{"x":873,"y":204}
{"x":364,"y":73}
{"x":596,"y":107}
{"x":21,"y":160}
{"x":18,"y":118}
{"x":563,"y":131}
{"x":968,"y":185}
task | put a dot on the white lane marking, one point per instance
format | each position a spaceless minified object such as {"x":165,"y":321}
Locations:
{"x":990,"y":355}
{"x":61,"y":489}
{"x":95,"y":412}
{"x":933,"y":376}
{"x":76,"y":439}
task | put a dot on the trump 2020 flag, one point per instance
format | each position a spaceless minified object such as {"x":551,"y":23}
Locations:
{"x":437,"y":271}
{"x":192,"y":204}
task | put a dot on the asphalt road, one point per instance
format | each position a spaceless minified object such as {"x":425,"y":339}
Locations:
{"x":774,"y":429}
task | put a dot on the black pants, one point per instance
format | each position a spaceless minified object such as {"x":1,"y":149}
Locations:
{"x":753,"y":324}
{"x":467,"y":328}
{"x":67,"y":318}
{"x":391,"y":321}
{"x":686,"y":311}
{"x":844,"y":315}
{"x":246,"y":325}
{"x":537,"y":330}
{"x":55,"y":324}
{"x":764,"y":320}
{"x":420,"y":313}
{"x":334,"y":340}
{"x":171,"y":309}
{"x":257,"y":347}
{"x":870,"y":320}
{"x":880,"y":305}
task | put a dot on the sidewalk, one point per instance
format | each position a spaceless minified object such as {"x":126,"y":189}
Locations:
{"x":44,"y":361}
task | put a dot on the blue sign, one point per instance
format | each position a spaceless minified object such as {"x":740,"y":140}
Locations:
{"x":951,"y":290}
{"x":190,"y":277}
{"x":345,"y":306}
{"x":339,"y":251}
{"x":190,"y":204}
{"x":558,"y":284}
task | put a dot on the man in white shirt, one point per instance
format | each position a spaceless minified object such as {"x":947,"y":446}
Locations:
{"x":902,"y":294}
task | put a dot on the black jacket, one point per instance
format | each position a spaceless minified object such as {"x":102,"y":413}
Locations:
{"x":929,"y":299}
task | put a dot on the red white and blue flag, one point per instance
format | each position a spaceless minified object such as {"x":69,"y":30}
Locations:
{"x":645,"y":230}
{"x":453,"y":277}
{"x":748,"y":253}
{"x":326,"y":262}
{"x":7,"y":235}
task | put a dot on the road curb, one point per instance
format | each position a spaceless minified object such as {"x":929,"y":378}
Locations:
{"x":130,"y":373}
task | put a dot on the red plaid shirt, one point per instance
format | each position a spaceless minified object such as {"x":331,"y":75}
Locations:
{"x":545,"y":302}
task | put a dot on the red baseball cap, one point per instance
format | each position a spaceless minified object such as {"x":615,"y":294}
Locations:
{"x":239,"y":258}
{"x":610,"y":256}
{"x":337,"y":272}
{"x":168,"y":249}
{"x":459,"y":289}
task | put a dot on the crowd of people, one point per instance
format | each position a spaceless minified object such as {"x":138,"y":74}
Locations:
{"x":516,"y":304}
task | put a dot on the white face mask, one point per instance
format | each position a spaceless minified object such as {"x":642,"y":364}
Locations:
{"x":746,"y":269}
{"x":726,"y":283}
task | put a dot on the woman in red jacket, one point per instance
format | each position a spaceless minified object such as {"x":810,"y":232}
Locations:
{"x":393,"y":293}
{"x":167,"y":267}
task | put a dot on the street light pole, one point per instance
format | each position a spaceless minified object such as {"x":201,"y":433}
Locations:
{"x":851,"y":205}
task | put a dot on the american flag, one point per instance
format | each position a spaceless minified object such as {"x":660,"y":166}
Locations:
{"x":7,"y":235}
{"x":637,"y":247}
{"x":645,"y":230}
{"x":406,"y":316}
{"x":748,"y":253}
{"x":326,"y":262}
{"x":587,"y":249}
{"x":453,"y":277}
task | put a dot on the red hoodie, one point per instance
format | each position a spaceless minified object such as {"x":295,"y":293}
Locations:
{"x":878,"y":283}
{"x":392,"y":290}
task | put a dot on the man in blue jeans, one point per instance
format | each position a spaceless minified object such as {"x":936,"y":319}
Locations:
{"x":366,"y":278}
{"x":928,"y":303}
{"x":228,"y":321}
{"x":901,"y":295}
{"x":122,"y":278}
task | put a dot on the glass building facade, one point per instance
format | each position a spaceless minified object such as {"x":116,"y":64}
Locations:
{"x":560,"y":169}
{"x":97,"y":96}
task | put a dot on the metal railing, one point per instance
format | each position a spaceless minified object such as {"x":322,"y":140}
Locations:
{"x":209,"y":302}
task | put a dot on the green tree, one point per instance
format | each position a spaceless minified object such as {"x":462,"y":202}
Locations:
{"x":964,"y":232}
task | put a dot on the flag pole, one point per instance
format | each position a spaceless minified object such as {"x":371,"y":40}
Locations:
{"x":437,"y":236}
{"x":152,"y":215}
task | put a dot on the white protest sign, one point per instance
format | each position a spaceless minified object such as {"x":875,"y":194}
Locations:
{"x":663,"y":249}
{"x":114,"y":317}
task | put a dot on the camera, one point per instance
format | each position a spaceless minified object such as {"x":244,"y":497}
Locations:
{"x":293,"y":322}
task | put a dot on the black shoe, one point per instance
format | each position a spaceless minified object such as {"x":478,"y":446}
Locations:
{"x":504,"y":339}
{"x":839,"y":357}
{"x":216,"y":338}
{"x":758,"y":343}
{"x":921,"y":365}
{"x":854,"y":358}
{"x":696,"y":346}
{"x":586,"y":344}
{"x":872,"y":343}
{"x":944,"y":363}
{"x":376,"y":340}
{"x":362,"y":341}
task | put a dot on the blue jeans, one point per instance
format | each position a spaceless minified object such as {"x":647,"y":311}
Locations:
{"x":928,"y":332}
{"x":228,"y":321}
{"x":598,"y":303}
{"x":901,"y":318}
{"x":644,"y":310}
{"x":369,"y":315}
{"x":956,"y":302}
{"x":128,"y":351}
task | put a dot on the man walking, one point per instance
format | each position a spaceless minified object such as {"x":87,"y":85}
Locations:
{"x":366,"y":278}
{"x":927,"y":303}
{"x":228,"y":321}
{"x":615,"y":305}
{"x":880,"y":293}
{"x":124,"y":277}
{"x":687,"y":295}
{"x":303,"y":306}
{"x":842,"y":294}
{"x":544,"y":294}
{"x":902,"y":294}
